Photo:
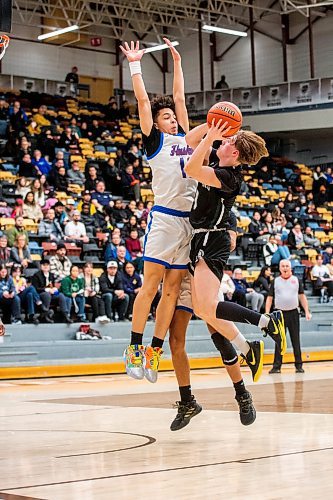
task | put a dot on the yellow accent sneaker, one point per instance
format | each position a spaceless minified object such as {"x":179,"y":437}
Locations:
{"x":276,"y":330}
{"x":255,"y":358}
{"x":133,"y":357}
{"x":152,"y":360}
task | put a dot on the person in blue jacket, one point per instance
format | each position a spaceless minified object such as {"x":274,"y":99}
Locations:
{"x":9,"y":300}
{"x":132,"y":283}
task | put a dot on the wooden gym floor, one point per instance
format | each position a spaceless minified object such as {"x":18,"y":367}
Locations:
{"x":108,"y":438}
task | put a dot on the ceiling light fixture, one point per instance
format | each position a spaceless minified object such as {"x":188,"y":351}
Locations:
{"x":58,"y":32}
{"x":206,"y":27}
{"x":160,"y":47}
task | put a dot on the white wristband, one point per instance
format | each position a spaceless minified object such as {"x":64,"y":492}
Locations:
{"x":135,"y":68}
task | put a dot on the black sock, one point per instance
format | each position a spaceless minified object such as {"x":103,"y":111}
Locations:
{"x":156,"y":342}
{"x":240,"y":387}
{"x":136,"y":338}
{"x":234,"y":312}
{"x":185,"y":393}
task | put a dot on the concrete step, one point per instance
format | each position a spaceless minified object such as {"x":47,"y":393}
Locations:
{"x":17,"y":356}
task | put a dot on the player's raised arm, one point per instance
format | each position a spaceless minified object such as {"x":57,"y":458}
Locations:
{"x":134,"y":55}
{"x":178,"y":88}
{"x":195,"y":167}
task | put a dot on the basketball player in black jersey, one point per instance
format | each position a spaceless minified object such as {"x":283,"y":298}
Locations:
{"x":219,"y":184}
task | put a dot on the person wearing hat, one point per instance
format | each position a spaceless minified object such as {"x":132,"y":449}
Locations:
{"x":60,"y":214}
{"x":60,"y":264}
{"x":76,"y":230}
{"x":112,"y":289}
{"x":86,"y":198}
{"x":44,"y":283}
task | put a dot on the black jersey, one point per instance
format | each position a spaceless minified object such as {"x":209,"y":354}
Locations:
{"x":211,"y":206}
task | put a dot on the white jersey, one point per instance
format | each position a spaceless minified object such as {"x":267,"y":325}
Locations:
{"x":167,"y":155}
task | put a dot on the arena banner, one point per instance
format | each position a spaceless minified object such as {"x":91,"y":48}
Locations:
{"x":326,"y":91}
{"x":274,"y":97}
{"x":196,"y":104}
{"x":212,"y":97}
{"x":246,"y":99}
{"x":304,"y":93}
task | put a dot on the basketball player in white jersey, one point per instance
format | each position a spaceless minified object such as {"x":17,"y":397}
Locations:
{"x":164,"y":123}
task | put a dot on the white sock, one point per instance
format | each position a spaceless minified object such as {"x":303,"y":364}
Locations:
{"x":263,"y":322}
{"x":241,"y":343}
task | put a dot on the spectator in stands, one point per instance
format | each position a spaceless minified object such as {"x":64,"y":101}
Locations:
{"x":134,"y":247}
{"x":319,"y":179}
{"x":103,"y":220}
{"x":92,"y":294}
{"x":12,"y":232}
{"x":122,"y":253}
{"x":88,"y":220}
{"x":321,"y":275}
{"x":245,"y":293}
{"x":92,"y":179}
{"x":113,"y":112}
{"x":132,"y":224}
{"x":40,"y":119}
{"x":5,"y":259}
{"x":120,"y":213}
{"x":268,"y":225}
{"x":121,"y":161}
{"x":96,"y":130}
{"x":309,"y":238}
{"x":73,"y":76}
{"x":37,"y":188}
{"x":145,"y":213}
{"x":60,"y":214}
{"x":60,"y":265}
{"x":9,"y":301}
{"x":24,"y":148}
{"x":31,"y":209}
{"x":75,"y":230}
{"x":124,"y":111}
{"x":139,"y":209}
{"x":50,"y":228}
{"x":55,"y":169}
{"x":142,"y":228}
{"x":264,"y":176}
{"x":69,"y":140}
{"x":112,"y":177}
{"x":20,"y":253}
{"x":27,"y":294}
{"x":295,"y":238}
{"x":111,"y":249}
{"x":18,"y":209}
{"x":46,"y":143}
{"x":17,"y":117}
{"x":74,"y":126}
{"x":132,"y":284}
{"x":100,"y":197}
{"x":289,"y":203}
{"x":74,"y":174}
{"x":61,"y":180}
{"x":321,"y":197}
{"x":26,"y":166}
{"x":113,"y":294}
{"x":44,"y":283}
{"x":3,"y":108}
{"x":263,"y":282}
{"x":279,"y":250}
{"x":85,"y":132}
{"x":256,"y":227}
{"x":130,"y":183}
{"x":222,"y":84}
{"x":22,"y":187}
{"x":227,"y":287}
{"x":72,"y":286}
{"x":327,"y":254}
{"x":60,"y":155}
{"x":86,"y":198}
{"x":41,"y":165}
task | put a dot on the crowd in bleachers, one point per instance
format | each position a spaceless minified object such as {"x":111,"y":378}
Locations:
{"x":75,"y":197}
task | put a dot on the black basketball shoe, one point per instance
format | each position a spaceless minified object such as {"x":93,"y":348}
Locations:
{"x":276,"y":330}
{"x":247,"y":411}
{"x":185,"y":412}
{"x":255,"y":358}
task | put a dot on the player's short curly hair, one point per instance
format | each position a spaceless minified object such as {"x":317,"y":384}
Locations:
{"x":251,"y":147}
{"x":161,"y":102}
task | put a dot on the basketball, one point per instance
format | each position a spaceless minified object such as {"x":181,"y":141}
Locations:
{"x":228,"y":112}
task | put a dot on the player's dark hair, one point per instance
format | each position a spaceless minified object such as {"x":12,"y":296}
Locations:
{"x":161,"y":102}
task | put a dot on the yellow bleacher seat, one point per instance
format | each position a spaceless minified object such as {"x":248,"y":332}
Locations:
{"x":97,"y":272}
{"x":6,"y":222}
{"x":30,"y":225}
{"x":7,"y":176}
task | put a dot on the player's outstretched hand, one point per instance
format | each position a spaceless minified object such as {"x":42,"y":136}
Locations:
{"x":133,"y":52}
{"x":218,"y":131}
{"x":174,"y":52}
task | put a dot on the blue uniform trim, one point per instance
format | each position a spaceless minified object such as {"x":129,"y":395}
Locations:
{"x":180,"y":134}
{"x":178,"y":266}
{"x":148,"y":230}
{"x":184,"y":308}
{"x":157,"y":261}
{"x":170,"y":211}
{"x":158,"y":149}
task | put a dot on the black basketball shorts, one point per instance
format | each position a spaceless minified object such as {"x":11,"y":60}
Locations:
{"x":214,"y":248}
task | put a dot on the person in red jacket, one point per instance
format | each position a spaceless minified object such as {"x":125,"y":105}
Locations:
{"x":133,"y":245}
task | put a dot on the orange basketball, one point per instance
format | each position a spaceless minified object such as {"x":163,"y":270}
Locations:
{"x":228,"y":112}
